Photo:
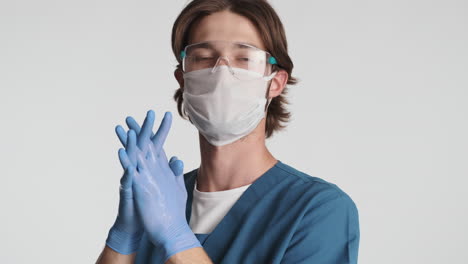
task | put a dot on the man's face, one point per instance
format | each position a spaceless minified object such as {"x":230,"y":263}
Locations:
{"x":230,"y":27}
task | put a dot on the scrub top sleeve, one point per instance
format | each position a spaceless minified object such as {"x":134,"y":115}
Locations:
{"x":328,"y":232}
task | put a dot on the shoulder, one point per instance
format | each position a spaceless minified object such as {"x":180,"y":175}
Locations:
{"x":327,"y":227}
{"x":315,"y":190}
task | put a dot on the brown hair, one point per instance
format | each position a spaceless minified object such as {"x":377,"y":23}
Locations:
{"x":267,"y":22}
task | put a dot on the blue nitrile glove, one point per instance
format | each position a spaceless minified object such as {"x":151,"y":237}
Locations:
{"x":125,"y":234}
{"x":144,"y":134}
{"x":160,"y":196}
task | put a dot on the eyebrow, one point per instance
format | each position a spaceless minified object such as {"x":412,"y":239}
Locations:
{"x":205,"y":45}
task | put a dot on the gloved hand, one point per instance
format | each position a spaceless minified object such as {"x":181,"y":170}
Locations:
{"x":125,"y":234}
{"x":160,"y":195}
{"x":144,"y":134}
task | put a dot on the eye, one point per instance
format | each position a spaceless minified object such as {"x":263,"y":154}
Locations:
{"x":202,"y":58}
{"x":243,"y":59}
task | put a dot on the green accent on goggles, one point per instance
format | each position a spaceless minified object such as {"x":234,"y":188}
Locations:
{"x":272,"y":60}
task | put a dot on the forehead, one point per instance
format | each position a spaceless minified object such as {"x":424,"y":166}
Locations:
{"x":226,"y":26}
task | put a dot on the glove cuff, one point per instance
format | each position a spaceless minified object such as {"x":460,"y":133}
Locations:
{"x":123,"y":242}
{"x":182,"y":241}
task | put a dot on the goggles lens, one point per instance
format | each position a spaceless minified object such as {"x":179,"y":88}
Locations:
{"x":211,"y":54}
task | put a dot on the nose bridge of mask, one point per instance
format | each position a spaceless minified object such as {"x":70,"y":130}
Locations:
{"x":227,"y":87}
{"x":215,"y":67}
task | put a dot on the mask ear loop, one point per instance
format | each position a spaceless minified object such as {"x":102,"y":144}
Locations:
{"x":271,"y":76}
{"x":268,"y":104}
{"x":268,"y":79}
{"x":268,"y":92}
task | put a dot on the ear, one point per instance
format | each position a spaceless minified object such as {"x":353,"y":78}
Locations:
{"x":278,"y":83}
{"x":179,"y":77}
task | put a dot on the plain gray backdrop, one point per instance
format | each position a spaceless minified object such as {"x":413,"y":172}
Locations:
{"x":380,"y":110}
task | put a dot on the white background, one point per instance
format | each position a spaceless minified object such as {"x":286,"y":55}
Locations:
{"x":380,"y":110}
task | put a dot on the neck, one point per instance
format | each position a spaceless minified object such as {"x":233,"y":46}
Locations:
{"x":234,"y":165}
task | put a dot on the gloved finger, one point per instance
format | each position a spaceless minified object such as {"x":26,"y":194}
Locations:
{"x":145,"y":133}
{"x":132,"y":124}
{"x":173,"y":158}
{"x":121,"y":134}
{"x":127,"y":178}
{"x":124,"y":159}
{"x":177,"y":166}
{"x":180,"y":177}
{"x":131,"y":147}
{"x":163,"y":130}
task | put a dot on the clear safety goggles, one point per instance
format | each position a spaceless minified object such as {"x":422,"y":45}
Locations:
{"x":211,"y":54}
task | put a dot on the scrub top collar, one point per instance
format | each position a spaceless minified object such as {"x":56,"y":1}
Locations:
{"x":225,"y":231}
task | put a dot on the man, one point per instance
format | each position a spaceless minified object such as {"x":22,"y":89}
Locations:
{"x":242,"y":204}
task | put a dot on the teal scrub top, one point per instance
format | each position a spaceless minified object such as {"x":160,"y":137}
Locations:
{"x":285,"y":216}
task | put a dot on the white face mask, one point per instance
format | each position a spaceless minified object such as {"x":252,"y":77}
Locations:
{"x":222,"y":107}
